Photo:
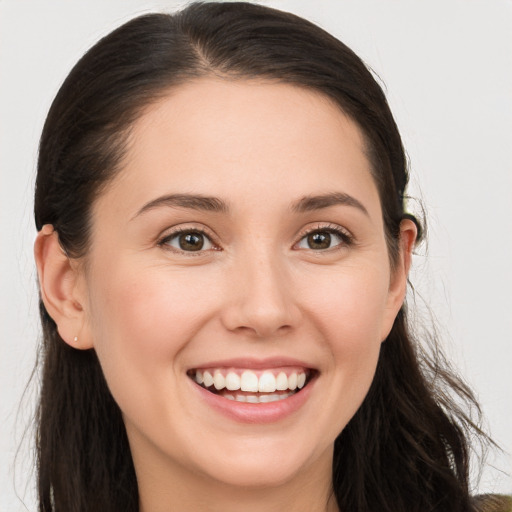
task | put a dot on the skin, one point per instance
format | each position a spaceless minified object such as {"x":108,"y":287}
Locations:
{"x":153,"y":311}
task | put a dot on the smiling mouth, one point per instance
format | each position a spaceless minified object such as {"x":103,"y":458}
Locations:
{"x":243,"y":385}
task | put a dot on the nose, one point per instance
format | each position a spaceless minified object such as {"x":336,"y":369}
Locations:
{"x":260,"y":300}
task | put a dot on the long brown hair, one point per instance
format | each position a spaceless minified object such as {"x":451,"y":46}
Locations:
{"x":406,"y":448}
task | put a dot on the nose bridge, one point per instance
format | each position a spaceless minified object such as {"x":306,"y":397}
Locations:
{"x":261,"y":293}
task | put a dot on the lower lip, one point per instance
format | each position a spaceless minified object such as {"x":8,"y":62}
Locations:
{"x":243,"y":412}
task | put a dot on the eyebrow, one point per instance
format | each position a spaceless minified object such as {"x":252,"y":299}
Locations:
{"x":311,"y":203}
{"x":214,"y":204}
{"x":191,"y":201}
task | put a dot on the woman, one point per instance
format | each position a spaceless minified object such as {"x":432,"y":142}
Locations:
{"x":223,"y":254}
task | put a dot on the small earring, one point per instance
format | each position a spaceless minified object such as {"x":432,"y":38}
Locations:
{"x":75,"y":339}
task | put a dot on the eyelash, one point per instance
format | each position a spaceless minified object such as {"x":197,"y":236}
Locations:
{"x":345,"y":236}
{"x":164,"y":241}
{"x":346,"y":239}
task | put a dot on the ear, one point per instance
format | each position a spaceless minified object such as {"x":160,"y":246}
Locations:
{"x":399,"y":273}
{"x":61,"y":286}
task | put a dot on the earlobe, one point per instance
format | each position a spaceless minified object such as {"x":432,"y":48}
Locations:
{"x":59,"y":287}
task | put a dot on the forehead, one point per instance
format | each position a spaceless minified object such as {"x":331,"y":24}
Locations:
{"x":249,"y":139}
{"x":246,"y":111}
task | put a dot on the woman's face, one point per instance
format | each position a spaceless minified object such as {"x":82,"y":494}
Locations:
{"x":243,"y":242}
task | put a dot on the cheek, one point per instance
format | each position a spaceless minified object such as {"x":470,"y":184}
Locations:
{"x":142,"y":305}
{"x":350,"y":312}
{"x":351,"y":307}
{"x":141,"y":319}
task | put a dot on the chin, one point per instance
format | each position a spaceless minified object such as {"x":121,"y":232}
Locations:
{"x":262,"y":462}
{"x":257,"y":473}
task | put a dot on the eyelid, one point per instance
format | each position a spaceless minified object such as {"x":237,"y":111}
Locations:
{"x":343,"y":233}
{"x":174,"y":231}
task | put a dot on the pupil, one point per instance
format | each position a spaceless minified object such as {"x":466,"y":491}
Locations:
{"x":191,"y":242}
{"x":319,"y":240}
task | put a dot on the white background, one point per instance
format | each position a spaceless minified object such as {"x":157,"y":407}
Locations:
{"x":448,"y":74}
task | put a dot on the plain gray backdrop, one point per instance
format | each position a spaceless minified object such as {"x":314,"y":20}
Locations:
{"x":446,"y":65}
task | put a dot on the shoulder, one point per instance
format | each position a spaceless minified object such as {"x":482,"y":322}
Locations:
{"x":492,"y":503}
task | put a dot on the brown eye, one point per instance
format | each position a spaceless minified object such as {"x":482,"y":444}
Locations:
{"x":189,"y":241}
{"x":319,"y":240}
{"x":322,"y":240}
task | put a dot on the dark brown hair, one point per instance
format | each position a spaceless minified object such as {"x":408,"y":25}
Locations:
{"x":405,"y":450}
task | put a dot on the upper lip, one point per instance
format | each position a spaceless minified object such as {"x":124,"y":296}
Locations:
{"x":251,"y":363}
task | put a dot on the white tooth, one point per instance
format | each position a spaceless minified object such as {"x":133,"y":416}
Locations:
{"x":207,"y":379}
{"x":267,"y":382}
{"x":292,"y":381}
{"x":249,"y":381}
{"x":240,"y":398}
{"x":266,"y":398}
{"x":199,"y":377}
{"x":218,"y":380}
{"x":301,"y":380}
{"x":252,"y":399}
{"x":282,"y":381}
{"x":229,"y":397}
{"x":275,"y":398}
{"x":232,"y":381}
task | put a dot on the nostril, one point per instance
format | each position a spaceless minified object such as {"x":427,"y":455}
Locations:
{"x":263,"y":331}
